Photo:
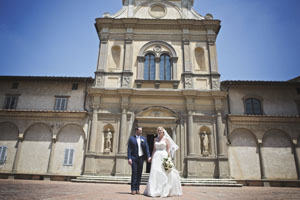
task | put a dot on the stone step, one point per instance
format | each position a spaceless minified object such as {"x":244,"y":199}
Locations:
{"x":144,"y":180}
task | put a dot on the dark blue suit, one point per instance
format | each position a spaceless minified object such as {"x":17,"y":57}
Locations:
{"x":137,"y":162}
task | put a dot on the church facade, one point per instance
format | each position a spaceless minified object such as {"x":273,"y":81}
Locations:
{"x":157,"y":66}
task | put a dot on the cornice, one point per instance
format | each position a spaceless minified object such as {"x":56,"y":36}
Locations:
{"x":191,"y":24}
{"x":263,"y":119}
{"x":29,"y":114}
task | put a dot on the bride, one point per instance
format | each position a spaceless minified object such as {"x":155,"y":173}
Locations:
{"x":162,"y":183}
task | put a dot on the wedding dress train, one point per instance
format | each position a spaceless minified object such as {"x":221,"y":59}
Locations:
{"x":162,"y":183}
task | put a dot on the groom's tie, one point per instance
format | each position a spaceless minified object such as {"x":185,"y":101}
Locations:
{"x":140,"y":150}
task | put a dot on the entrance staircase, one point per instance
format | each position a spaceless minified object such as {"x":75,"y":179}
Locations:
{"x":145,"y":177}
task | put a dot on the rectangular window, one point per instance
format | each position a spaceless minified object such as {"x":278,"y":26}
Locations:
{"x":15,"y":85}
{"x":11,"y":102}
{"x":68,"y":157}
{"x":3,"y":150}
{"x":61,"y":103}
{"x":75,"y":86}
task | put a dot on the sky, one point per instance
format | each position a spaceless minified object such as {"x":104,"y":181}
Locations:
{"x":259,"y":39}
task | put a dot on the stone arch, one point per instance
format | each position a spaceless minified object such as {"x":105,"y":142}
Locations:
{"x":166,"y":110}
{"x":73,"y":124}
{"x":70,"y":136}
{"x":277,"y":155}
{"x":243,"y":155}
{"x":35,"y":151}
{"x":170,"y":49}
{"x":47,"y":126}
{"x":8,"y":140}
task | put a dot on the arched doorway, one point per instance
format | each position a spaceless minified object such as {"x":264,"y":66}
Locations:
{"x":152,"y":117}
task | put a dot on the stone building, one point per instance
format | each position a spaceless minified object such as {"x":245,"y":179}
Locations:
{"x":157,"y":66}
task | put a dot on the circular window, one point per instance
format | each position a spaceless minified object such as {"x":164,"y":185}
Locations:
{"x":157,"y":11}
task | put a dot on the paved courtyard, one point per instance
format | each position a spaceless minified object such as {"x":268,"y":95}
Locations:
{"x":27,"y":189}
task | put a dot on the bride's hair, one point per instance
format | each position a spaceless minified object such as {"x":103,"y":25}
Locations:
{"x":160,"y":127}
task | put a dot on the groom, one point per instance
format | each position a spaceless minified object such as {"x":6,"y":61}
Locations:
{"x":138,"y":152}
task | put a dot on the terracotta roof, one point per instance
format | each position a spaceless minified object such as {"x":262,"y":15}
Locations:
{"x":47,"y":78}
{"x":259,"y":83}
{"x":296,"y":79}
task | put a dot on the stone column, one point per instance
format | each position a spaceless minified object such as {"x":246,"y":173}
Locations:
{"x":186,"y":50}
{"x":123,"y":132}
{"x":190,"y":134}
{"x":51,"y":157}
{"x":128,"y":50}
{"x":220,"y":133}
{"x":140,"y":74}
{"x":157,"y":60}
{"x":296,"y":157}
{"x":261,"y":160}
{"x":103,"y":49}
{"x":18,"y":153}
{"x":93,"y":137}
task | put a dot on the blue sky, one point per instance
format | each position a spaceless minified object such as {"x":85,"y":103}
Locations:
{"x":259,"y":39}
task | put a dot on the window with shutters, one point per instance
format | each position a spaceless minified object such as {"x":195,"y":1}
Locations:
{"x":165,"y":69}
{"x":253,"y":106}
{"x":68,"y":157}
{"x":3,"y":150}
{"x":11,"y":102}
{"x":61,"y":103}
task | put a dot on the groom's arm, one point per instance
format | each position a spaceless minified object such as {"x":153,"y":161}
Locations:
{"x":129,"y":152}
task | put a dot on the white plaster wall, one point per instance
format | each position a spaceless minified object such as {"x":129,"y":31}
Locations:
{"x":35,"y":150}
{"x":40,"y":95}
{"x":277,"y":156}
{"x":8,"y":138}
{"x":71,"y":136}
{"x":276,"y":101}
{"x":243,"y":156}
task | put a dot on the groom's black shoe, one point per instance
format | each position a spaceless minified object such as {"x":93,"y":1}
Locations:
{"x":133,"y":192}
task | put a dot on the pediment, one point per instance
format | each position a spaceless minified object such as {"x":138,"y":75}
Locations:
{"x":157,"y":112}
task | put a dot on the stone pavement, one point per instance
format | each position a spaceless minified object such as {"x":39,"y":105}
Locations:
{"x":50,"y":190}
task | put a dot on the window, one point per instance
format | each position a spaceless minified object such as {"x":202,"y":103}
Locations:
{"x":75,"y":86}
{"x":15,"y":85}
{"x":69,"y":157}
{"x":165,"y":67}
{"x":149,"y":67}
{"x":253,"y":106}
{"x":11,"y":102}
{"x":61,"y":103}
{"x":3,"y":150}
{"x":298,"y":91}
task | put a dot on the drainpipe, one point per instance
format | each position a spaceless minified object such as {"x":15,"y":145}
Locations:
{"x":229,"y":112}
{"x":85,"y":96}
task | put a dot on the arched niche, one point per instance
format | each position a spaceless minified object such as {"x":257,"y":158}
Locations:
{"x":205,"y":141}
{"x":199,"y":58}
{"x":243,"y":155}
{"x":108,"y":138}
{"x":116,"y":57}
{"x":277,"y":154}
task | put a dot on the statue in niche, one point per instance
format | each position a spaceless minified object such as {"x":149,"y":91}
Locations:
{"x":205,"y":144}
{"x":98,"y":81}
{"x":107,"y":142}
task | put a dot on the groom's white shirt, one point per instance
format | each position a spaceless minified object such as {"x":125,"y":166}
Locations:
{"x":140,"y":152}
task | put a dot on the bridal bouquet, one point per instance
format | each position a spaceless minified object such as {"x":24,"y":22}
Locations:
{"x":167,"y":164}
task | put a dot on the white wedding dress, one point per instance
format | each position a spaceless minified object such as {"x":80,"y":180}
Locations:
{"x":162,"y":183}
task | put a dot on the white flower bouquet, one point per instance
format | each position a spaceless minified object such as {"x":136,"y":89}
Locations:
{"x":168,"y":164}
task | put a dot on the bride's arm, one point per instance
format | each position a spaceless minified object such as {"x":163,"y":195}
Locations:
{"x":168,"y":147}
{"x":154,"y":149}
